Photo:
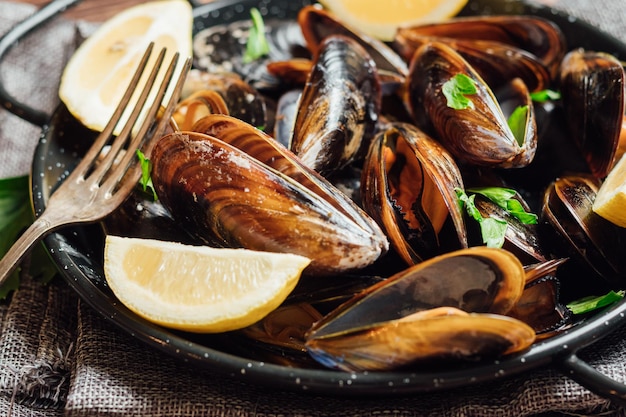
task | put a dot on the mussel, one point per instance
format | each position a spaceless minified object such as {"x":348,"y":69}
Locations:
{"x":592,"y":87}
{"x":535,"y":35}
{"x":448,"y":307}
{"x":479,"y":134}
{"x":582,"y":234}
{"x":408,"y":186}
{"x":339,"y":106}
{"x":236,"y":197}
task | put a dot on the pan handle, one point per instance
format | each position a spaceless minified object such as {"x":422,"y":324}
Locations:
{"x":592,"y":379}
{"x":10,"y":39}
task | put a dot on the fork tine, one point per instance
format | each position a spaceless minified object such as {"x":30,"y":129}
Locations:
{"x":142,"y":140}
{"x":96,"y":148}
{"x":105,"y":164}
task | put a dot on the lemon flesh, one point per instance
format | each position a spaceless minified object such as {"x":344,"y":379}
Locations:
{"x":381,"y":19}
{"x":610,"y":201}
{"x":97,"y":74}
{"x":198,"y":288}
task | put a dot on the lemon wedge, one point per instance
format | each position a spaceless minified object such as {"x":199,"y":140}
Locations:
{"x":97,"y":74}
{"x":380,"y":19}
{"x":198,"y":288}
{"x":610,"y":201}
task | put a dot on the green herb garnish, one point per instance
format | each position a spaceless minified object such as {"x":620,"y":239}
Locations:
{"x":15,"y":216}
{"x":456,"y":89}
{"x":588,"y":304}
{"x":504,"y":198}
{"x":146,"y":179}
{"x":257,"y":45}
{"x":492,"y":230}
{"x":545,"y":95}
{"x":517,"y":123}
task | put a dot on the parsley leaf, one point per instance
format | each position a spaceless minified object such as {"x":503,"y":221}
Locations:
{"x":146,"y":168}
{"x":257,"y":45}
{"x":456,"y":89}
{"x":504,"y":198}
{"x":587,"y":304}
{"x":492,"y":230}
{"x":15,"y":216}
{"x":545,"y":95}
{"x":517,"y":123}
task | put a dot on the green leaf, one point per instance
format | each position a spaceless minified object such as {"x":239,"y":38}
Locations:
{"x":257,"y":45}
{"x":504,"y":197}
{"x":517,"y":123}
{"x":146,"y":179}
{"x":15,"y":216}
{"x":545,"y":95}
{"x":588,"y":304}
{"x":492,"y":230}
{"x":456,"y":89}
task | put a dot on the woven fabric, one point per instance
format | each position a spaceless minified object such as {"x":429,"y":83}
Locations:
{"x":60,"y":357}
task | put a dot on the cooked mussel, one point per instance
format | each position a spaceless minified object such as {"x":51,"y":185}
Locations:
{"x":592,"y":88}
{"x":582,"y":234}
{"x":496,"y":62}
{"x":538,"y":36}
{"x":408,"y":186}
{"x":421,"y":314}
{"x":339,"y":106}
{"x":317,"y":24}
{"x":222,"y":192}
{"x":478,"y":134}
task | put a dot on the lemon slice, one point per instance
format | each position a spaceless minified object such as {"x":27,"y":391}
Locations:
{"x":97,"y":74}
{"x":610,"y":201}
{"x":380,"y":19}
{"x":198,"y":288}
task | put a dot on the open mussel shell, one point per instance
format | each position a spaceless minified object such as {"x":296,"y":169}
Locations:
{"x":408,"y":186}
{"x":339,"y":107}
{"x":540,"y":305}
{"x":539,"y":37}
{"x":223,"y":192}
{"x":589,"y":239}
{"x":592,"y":88}
{"x":475,"y":280}
{"x":496,"y":62}
{"x":317,"y":24}
{"x":240,"y":98}
{"x":478,"y":135}
{"x":426,"y":338}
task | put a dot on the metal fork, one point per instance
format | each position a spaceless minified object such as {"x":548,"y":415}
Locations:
{"x":98,"y":185}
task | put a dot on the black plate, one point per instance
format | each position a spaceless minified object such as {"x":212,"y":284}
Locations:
{"x":78,"y":252}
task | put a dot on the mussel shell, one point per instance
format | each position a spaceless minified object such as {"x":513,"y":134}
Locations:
{"x":480,"y":279}
{"x":268,"y":151}
{"x":426,"y":338}
{"x":408,"y":186}
{"x":196,"y":106}
{"x":496,"y":62}
{"x":592,"y":87}
{"x":596,"y":242}
{"x":540,"y":306}
{"x":242,"y":100}
{"x":534,"y":34}
{"x":339,"y":106}
{"x":212,"y":188}
{"x":478,"y":136}
{"x":317,"y":24}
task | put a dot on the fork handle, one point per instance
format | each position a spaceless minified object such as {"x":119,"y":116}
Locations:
{"x":27,"y":240}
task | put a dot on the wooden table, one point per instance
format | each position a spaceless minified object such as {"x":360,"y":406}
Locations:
{"x":93,"y":10}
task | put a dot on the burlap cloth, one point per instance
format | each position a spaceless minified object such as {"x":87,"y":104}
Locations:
{"x":59,"y":357}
